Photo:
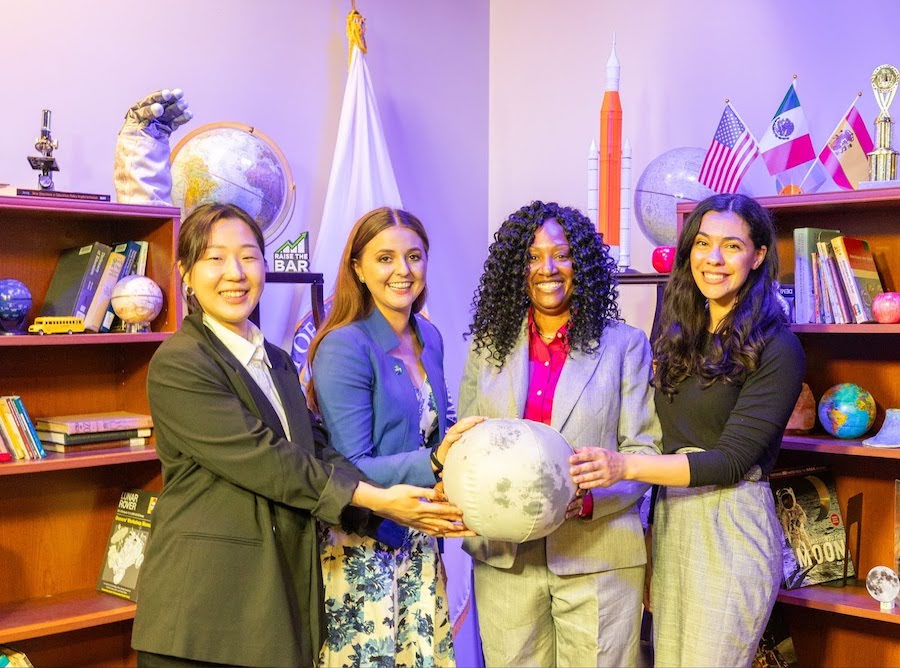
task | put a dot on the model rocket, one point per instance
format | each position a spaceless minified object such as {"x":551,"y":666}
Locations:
{"x":593,"y":183}
{"x":610,"y":155}
{"x":625,"y":218}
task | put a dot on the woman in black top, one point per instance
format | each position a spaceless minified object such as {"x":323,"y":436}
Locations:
{"x":728,"y":373}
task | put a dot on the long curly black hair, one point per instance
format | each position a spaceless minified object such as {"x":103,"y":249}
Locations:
{"x":685,"y":346}
{"x":501,"y":299}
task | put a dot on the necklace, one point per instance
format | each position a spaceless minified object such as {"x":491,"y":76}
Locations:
{"x":546,"y":337}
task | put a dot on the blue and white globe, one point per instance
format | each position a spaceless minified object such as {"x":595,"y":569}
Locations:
{"x":15,"y":302}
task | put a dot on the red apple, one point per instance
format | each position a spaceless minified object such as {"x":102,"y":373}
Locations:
{"x":663,"y":258}
{"x":886,"y":307}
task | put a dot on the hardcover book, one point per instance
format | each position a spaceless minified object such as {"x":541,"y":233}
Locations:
{"x":93,"y":422}
{"x":91,"y":436}
{"x":61,"y":194}
{"x":859,"y":275}
{"x":75,"y":279}
{"x":96,"y":445}
{"x":805,"y":240}
{"x":814,"y":540}
{"x":11,"y":431}
{"x":840,"y":307}
{"x":131,"y":250}
{"x":103,"y":294}
{"x":127,"y":541}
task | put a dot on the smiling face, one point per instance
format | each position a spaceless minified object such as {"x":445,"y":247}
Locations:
{"x":393,"y":266}
{"x":550,"y":273}
{"x":229,"y":276}
{"x":722,"y":257}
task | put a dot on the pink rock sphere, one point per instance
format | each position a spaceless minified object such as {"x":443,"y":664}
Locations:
{"x":663,"y":258}
{"x":886,"y":307}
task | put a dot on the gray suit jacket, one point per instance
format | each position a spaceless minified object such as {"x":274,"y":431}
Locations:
{"x":604,"y":399}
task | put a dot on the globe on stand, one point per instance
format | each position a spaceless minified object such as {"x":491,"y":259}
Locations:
{"x":15,"y":302}
{"x":233,"y":163}
{"x":669,"y":178}
{"x":137,"y":300}
{"x":883,"y":585}
{"x":846,"y":410}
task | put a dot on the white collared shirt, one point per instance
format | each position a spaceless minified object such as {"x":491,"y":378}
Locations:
{"x":252,"y":355}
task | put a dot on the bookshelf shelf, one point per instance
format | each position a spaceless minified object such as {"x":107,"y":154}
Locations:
{"x":81,"y":339}
{"x":852,"y":600}
{"x":844,"y":626}
{"x":86,"y":608}
{"x":53,"y":544}
{"x":834,"y":446}
{"x":851,"y":330}
{"x":57,"y":461}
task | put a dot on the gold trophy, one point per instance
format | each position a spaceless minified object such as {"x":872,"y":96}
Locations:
{"x":883,"y":160}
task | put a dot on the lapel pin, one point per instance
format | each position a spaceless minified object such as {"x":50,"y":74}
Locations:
{"x":398,"y":370}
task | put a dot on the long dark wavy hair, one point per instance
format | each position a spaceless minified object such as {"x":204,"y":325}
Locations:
{"x":501,"y":299}
{"x":683,"y":347}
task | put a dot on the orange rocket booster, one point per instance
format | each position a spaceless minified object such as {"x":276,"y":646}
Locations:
{"x":610,"y":158}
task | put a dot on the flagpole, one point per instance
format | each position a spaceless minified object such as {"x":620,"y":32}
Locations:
{"x":818,"y":153}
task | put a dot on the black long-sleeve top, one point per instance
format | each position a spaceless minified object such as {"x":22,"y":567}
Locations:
{"x":737,"y":426}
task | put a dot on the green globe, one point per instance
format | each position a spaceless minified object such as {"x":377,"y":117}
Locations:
{"x":230,"y":163}
{"x":846,"y":410}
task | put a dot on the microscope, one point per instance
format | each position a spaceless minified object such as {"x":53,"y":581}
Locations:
{"x":45,"y":162}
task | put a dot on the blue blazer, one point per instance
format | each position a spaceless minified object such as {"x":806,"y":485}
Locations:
{"x":369,"y":402}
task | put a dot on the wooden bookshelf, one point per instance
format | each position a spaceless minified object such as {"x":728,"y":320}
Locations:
{"x":57,"y":511}
{"x":833,"y":625}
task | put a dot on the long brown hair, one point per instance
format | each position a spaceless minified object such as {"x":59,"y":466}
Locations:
{"x":352,"y":300}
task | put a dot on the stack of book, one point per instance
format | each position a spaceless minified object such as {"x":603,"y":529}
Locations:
{"x":94,"y":431}
{"x":835,"y":277}
{"x":18,"y":438}
{"x":84,"y":278}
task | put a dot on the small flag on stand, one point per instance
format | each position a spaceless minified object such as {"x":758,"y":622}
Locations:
{"x":786,"y":146}
{"x":731,"y":152}
{"x":845,"y":154}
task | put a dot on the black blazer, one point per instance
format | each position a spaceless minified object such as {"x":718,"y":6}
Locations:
{"x":231,"y":573}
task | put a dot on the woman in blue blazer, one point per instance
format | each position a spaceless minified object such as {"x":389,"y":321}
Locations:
{"x":378,"y":381}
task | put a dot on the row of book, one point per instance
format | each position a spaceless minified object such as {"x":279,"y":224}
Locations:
{"x":835,"y":277}
{"x":23,"y":438}
{"x":18,"y":436}
{"x":94,"y":431}
{"x":84,"y":278}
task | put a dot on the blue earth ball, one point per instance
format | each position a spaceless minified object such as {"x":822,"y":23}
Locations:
{"x":846,"y":410}
{"x":15,"y":301}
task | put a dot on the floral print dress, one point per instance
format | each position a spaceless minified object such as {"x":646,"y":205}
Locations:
{"x":386,"y":606}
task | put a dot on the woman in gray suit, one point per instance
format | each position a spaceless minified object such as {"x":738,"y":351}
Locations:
{"x":548,"y":345}
{"x":231,"y":575}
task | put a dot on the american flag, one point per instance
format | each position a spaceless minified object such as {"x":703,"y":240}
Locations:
{"x":731,"y":152}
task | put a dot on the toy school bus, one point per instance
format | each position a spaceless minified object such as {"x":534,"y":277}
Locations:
{"x":56,"y":325}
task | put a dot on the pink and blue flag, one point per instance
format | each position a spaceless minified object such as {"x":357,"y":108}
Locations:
{"x":731,"y":152}
{"x":786,"y":142}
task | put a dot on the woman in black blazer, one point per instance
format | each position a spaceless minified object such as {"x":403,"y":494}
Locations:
{"x":231,"y":575}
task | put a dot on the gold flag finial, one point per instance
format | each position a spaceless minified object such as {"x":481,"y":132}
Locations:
{"x":356,"y":33}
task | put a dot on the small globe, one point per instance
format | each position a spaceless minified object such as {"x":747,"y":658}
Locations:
{"x":234,"y":164}
{"x":15,"y":302}
{"x":510,"y":478}
{"x":137,"y":300}
{"x":846,"y":410}
{"x":668,"y":179}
